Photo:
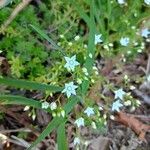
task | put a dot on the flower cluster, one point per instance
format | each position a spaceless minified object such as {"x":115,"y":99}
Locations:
{"x":46,"y":105}
{"x":124,"y":99}
{"x":89,"y":111}
{"x":91,"y":115}
{"x":53,"y":107}
{"x":70,"y":88}
{"x":119,"y":95}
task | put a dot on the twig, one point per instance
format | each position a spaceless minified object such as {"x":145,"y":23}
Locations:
{"x":137,"y":126}
{"x":148,"y":66}
{"x":16,"y":130}
{"x":15,"y":12}
{"x":141,"y":117}
{"x":5,"y":139}
{"x":21,"y":141}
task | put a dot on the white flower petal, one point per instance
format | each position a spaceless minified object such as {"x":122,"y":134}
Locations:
{"x":121,"y":1}
{"x":147,"y":2}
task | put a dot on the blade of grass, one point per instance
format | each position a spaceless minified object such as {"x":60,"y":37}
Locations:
{"x":61,"y":137}
{"x":29,"y":85}
{"x":100,"y":20}
{"x":91,"y":48}
{"x":10,"y":99}
{"x":45,"y":36}
{"x":51,"y":126}
{"x":81,"y":12}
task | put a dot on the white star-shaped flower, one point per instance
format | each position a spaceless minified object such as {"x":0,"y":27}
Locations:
{"x":121,"y":1}
{"x":71,"y":63}
{"x":98,"y":38}
{"x":124,"y":41}
{"x":119,"y":94}
{"x":79,"y":122}
{"x":147,"y":2}
{"x":116,"y":106}
{"x":89,"y":111}
{"x":76,"y":141}
{"x":70,"y":89}
{"x":145,"y":32}
{"x":45,"y":105}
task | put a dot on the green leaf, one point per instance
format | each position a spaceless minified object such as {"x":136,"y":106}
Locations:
{"x":72,"y":102}
{"x":82,"y":13}
{"x":91,"y":48}
{"x":19,"y":100}
{"x":45,"y":36}
{"x":29,"y":85}
{"x":61,"y":137}
{"x":98,"y":13}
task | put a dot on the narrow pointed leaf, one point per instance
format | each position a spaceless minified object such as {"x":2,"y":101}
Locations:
{"x":81,"y":12}
{"x":91,"y":48}
{"x":61,"y":137}
{"x":51,"y":126}
{"x":19,"y":100}
{"x":29,"y":85}
{"x":45,"y":36}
